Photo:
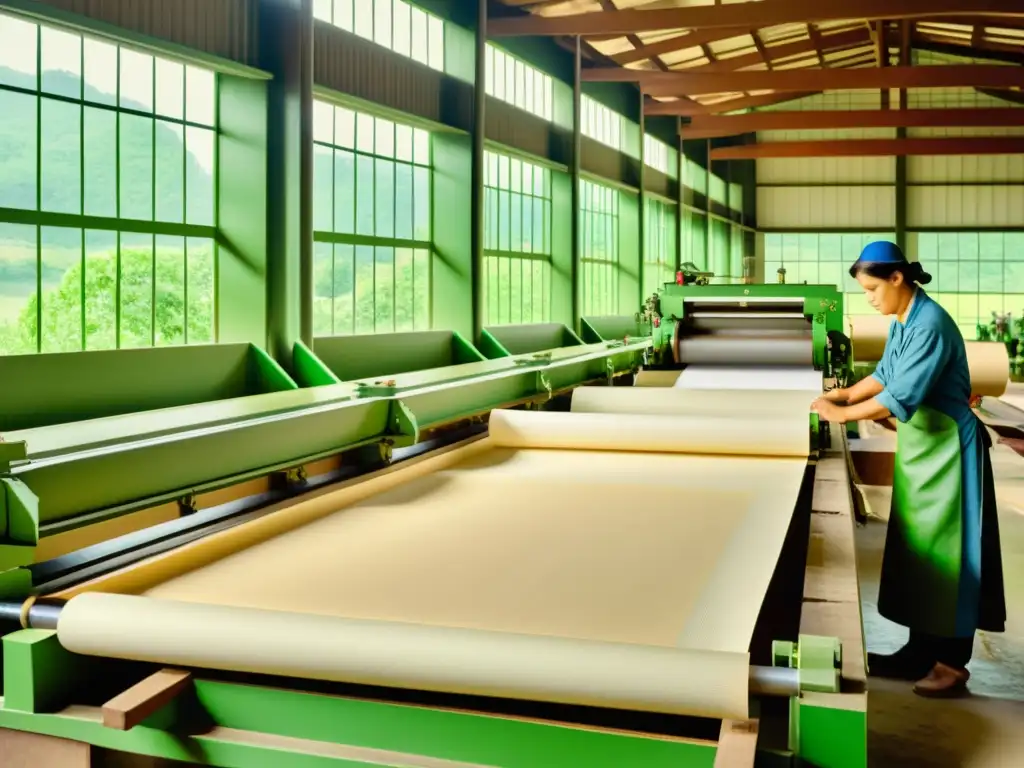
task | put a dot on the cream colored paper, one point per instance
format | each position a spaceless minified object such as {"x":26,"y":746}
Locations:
{"x":655,"y":378}
{"x":990,"y":367}
{"x":868,"y":334}
{"x":648,"y":552}
{"x":406,"y":655}
{"x":760,"y":378}
{"x":988,"y":361}
{"x":776,"y":435}
{"x":739,"y":404}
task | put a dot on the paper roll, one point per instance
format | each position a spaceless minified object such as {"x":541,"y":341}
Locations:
{"x":988,"y":361}
{"x":775,"y":435}
{"x":990,"y":367}
{"x":441,"y":659}
{"x":760,"y":378}
{"x":738,"y":404}
{"x":655,"y":378}
{"x":867,"y":335}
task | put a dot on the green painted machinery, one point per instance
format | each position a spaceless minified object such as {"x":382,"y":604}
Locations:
{"x":174,"y":428}
{"x":685,"y":311}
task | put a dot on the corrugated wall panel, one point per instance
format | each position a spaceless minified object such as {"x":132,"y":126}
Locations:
{"x":349,"y":64}
{"x":814,"y":208}
{"x":828,"y":170}
{"x":525,"y":132}
{"x":607,"y":163}
{"x":223,"y":28}
{"x":965,"y":168}
{"x":965,"y":206}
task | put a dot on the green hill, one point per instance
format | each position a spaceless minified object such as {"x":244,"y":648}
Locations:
{"x":63,"y":136}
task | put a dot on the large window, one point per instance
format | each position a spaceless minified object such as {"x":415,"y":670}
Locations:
{"x":108,"y":196}
{"x":694,"y":234}
{"x":599,"y":228}
{"x":820,"y":259}
{"x":517,"y":240}
{"x":600,"y":123}
{"x":656,"y":153}
{"x":394,"y":24}
{"x":659,"y":246}
{"x":516,"y":83}
{"x":371,"y":224}
{"x":974,"y":274}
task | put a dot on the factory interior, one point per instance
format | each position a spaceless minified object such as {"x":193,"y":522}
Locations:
{"x":429,"y":383}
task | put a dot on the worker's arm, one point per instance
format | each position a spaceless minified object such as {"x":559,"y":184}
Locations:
{"x":865,"y":389}
{"x":869,"y":410}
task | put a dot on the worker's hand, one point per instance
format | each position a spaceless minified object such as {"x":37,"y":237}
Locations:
{"x":836,"y":395}
{"x":828,"y":411}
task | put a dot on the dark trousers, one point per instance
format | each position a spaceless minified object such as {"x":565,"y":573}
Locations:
{"x":954,"y":652}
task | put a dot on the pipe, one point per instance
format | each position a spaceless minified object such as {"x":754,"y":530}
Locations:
{"x":774,"y":681}
{"x":575,"y":170}
{"x":478,"y":272}
{"x":40,"y":615}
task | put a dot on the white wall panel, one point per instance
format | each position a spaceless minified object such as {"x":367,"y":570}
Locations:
{"x":965,"y":207}
{"x":970,"y":168}
{"x":826,"y":170}
{"x":813,"y":208}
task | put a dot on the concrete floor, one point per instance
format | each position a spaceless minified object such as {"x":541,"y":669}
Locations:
{"x":985,"y":730}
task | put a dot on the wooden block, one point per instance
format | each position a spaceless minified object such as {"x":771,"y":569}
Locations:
{"x":128,"y":709}
{"x":831,"y":573}
{"x":842,"y":620}
{"x":21,"y":749}
{"x":737,"y":744}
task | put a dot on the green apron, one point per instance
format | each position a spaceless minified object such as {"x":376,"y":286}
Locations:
{"x":921,"y":566}
{"x":933,"y":580}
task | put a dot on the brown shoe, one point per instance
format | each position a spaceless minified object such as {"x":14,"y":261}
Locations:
{"x":943,"y":682}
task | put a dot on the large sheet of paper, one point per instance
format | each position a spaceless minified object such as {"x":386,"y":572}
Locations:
{"x":618,"y":577}
{"x":760,"y":378}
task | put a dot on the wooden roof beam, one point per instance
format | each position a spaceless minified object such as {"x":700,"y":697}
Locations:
{"x":954,"y":46}
{"x":973,"y":145}
{"x":694,"y":39}
{"x":819,"y":44}
{"x":677,"y":83}
{"x":762,"y":49}
{"x":755,"y":15}
{"x":732,"y":125}
{"x":834,"y":41}
{"x":684,"y":108}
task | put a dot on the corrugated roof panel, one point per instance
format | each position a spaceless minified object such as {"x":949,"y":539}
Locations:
{"x":568,"y":8}
{"x":734,"y":46}
{"x":687,"y":56}
{"x":612,"y":46}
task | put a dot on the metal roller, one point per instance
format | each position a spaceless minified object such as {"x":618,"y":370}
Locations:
{"x":778,"y":348}
{"x":747,"y":324}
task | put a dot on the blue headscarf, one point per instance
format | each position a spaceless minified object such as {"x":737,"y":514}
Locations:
{"x":882,"y":252}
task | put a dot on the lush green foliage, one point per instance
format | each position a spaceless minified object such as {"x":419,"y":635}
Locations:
{"x":135,"y":167}
{"x":63,"y":313}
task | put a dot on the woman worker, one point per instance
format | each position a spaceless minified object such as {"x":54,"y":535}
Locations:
{"x":942,"y":570}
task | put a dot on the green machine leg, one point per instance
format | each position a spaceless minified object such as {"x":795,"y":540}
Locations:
{"x":38,"y":673}
{"x":828,"y":729}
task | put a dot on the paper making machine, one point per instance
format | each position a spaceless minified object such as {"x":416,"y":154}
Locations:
{"x":749,"y":325}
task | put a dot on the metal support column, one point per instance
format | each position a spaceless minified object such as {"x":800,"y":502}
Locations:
{"x":680,"y":194}
{"x":286,"y":51}
{"x":574,"y":177}
{"x":707,"y":207}
{"x":642,"y":202}
{"x":901,"y":161}
{"x":478,"y":279}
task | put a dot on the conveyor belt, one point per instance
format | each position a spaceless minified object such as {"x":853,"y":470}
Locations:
{"x":481,"y":546}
